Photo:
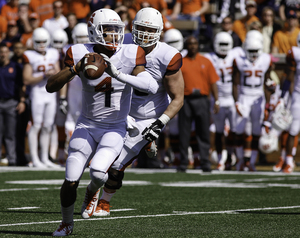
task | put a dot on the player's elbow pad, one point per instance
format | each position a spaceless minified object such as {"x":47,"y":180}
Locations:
{"x":143,"y":82}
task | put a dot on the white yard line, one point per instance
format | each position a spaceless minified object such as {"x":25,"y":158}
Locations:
{"x":175,"y":213}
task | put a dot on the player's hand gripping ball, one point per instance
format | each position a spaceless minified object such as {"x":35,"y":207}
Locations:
{"x":93,"y":66}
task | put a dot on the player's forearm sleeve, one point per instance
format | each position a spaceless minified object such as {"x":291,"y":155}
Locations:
{"x":142,"y":82}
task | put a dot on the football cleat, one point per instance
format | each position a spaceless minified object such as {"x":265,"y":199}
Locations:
{"x":102,"y":208}
{"x":288,"y":168}
{"x":64,"y":229}
{"x":221,"y":167}
{"x":89,"y":204}
{"x":50,"y":164}
{"x":278,"y":167}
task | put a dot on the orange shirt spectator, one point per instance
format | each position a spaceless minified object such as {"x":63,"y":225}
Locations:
{"x":43,"y":8}
{"x":283,"y":40}
{"x":10,"y":10}
{"x":191,"y":7}
{"x":240,"y":26}
{"x":81,"y":8}
{"x":159,"y":5}
{"x":3,"y":27}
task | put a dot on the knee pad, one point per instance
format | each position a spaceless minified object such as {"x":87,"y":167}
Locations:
{"x":115,"y":178}
{"x":98,"y":177}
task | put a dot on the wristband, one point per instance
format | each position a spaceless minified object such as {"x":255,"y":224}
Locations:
{"x":73,"y":70}
{"x":217,"y":102}
{"x":164,"y":119}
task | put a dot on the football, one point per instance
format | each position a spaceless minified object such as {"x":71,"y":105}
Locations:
{"x":94,"y":66}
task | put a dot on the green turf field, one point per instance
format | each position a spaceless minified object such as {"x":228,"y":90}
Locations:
{"x":158,"y":203}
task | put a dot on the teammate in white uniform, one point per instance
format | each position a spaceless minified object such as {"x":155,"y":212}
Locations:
{"x":223,"y":61}
{"x":101,"y":127}
{"x":149,"y":111}
{"x":39,"y":65}
{"x":293,"y":60}
{"x":59,"y":39}
{"x":250,"y":73}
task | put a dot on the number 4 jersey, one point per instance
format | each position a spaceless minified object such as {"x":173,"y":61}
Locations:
{"x":107,"y":100}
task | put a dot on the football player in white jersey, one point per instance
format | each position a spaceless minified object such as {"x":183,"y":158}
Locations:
{"x":59,"y":40}
{"x":99,"y":134}
{"x":250,"y":74}
{"x":223,"y":61}
{"x":39,"y":65}
{"x":150,"y":111}
{"x":293,"y":61}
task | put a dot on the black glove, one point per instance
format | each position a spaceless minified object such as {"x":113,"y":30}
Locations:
{"x":63,"y":105}
{"x":152,"y":132}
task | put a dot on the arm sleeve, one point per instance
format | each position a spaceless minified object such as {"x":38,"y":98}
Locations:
{"x":143,"y":82}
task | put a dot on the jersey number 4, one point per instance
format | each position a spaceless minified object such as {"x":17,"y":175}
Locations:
{"x":105,"y":86}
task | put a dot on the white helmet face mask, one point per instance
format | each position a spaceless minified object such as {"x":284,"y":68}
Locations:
{"x":253,"y":49}
{"x":223,"y":43}
{"x":40,"y":39}
{"x":59,"y":39}
{"x":80,"y":34}
{"x":173,"y":37}
{"x":147,"y":27}
{"x":106,"y":24}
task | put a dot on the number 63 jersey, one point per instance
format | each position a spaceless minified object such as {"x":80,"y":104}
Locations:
{"x":252,"y":74}
{"x":106,"y":100}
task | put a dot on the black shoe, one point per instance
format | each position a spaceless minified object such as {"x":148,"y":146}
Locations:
{"x":206,"y":168}
{"x":181,"y":170}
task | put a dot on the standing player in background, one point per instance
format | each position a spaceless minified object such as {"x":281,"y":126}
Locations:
{"x":99,"y":134}
{"x":150,"y":111}
{"x":223,"y":61}
{"x":251,"y":74}
{"x":39,"y":65}
{"x":293,"y":60}
{"x":59,"y":40}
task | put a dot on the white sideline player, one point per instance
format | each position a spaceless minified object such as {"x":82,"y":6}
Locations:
{"x":149,"y":111}
{"x":250,"y":73}
{"x":222,"y":60}
{"x":59,"y":40}
{"x":99,"y":134}
{"x":39,"y":65}
{"x":293,"y":60}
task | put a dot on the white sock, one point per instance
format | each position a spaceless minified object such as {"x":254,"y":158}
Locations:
{"x":67,"y":213}
{"x":44,"y":143}
{"x":253,"y":156}
{"x":106,"y":196}
{"x":283,"y":154}
{"x":239,"y":152}
{"x":53,"y":142}
{"x":290,"y":160}
{"x":33,"y":143}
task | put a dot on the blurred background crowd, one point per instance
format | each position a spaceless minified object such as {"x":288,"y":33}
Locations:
{"x":277,"y":20}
